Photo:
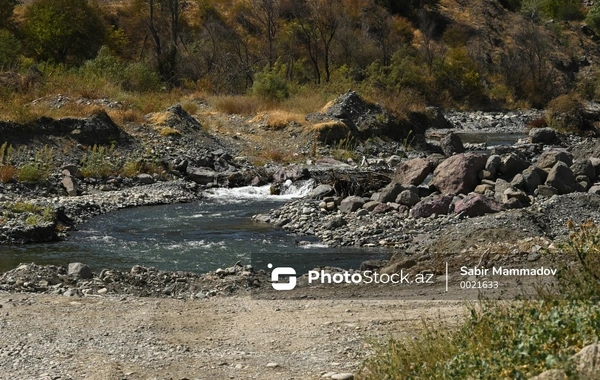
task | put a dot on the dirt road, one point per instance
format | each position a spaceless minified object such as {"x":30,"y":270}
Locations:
{"x":58,"y":337}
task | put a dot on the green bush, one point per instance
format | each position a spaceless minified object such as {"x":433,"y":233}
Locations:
{"x":10,"y":48}
{"x":515,"y":340}
{"x":270,"y":85}
{"x":30,"y":173}
{"x":97,"y":162}
{"x":141,"y":78}
{"x":579,"y":276}
{"x":593,"y":17}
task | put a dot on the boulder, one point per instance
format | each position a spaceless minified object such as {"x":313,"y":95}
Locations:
{"x":512,"y":165}
{"x":388,"y":193}
{"x":201,"y":176}
{"x":594,"y":190}
{"x":370,"y":206}
{"x":476,"y":205}
{"x":549,"y":158}
{"x":452,"y":144}
{"x":561,"y":178}
{"x":320,"y":191}
{"x":435,"y":205}
{"x":459,"y":173}
{"x":413,"y":172}
{"x":408,"y":198}
{"x":532,"y":178}
{"x":351,"y":204}
{"x":583,"y":167}
{"x":587,"y":361}
{"x":542,"y":135}
{"x":79,"y":270}
{"x":500,"y":188}
{"x":98,"y":129}
{"x":69,"y":185}
{"x":553,"y":374}
{"x":492,"y":165}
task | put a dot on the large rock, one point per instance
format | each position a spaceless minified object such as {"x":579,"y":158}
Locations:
{"x":320,"y":191}
{"x":550,"y":157}
{"x":542,"y":135}
{"x":476,"y":205}
{"x":69,"y":185}
{"x":201,"y":176}
{"x":583,"y":167}
{"x":435,"y":205}
{"x":413,"y":172}
{"x":561,"y":178}
{"x":552,"y":374}
{"x":79,"y":270}
{"x":492,"y":165}
{"x":291,"y":172}
{"x":98,"y":129}
{"x":351,"y":204}
{"x":388,"y":193}
{"x":452,"y":144}
{"x":588,"y":361}
{"x":512,"y":165}
{"x":408,"y":198}
{"x":499,"y":189}
{"x":459,"y":174}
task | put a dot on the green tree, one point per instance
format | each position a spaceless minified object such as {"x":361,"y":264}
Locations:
{"x":63,"y":30}
{"x":6,"y":12}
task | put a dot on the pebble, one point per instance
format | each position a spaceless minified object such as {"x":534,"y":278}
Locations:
{"x":272,"y":365}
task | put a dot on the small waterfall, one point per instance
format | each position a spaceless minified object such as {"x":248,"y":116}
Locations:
{"x":298,"y":189}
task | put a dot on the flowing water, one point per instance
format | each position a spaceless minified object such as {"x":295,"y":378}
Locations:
{"x":199,"y":237}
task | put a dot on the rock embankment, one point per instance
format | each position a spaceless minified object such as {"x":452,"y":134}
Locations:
{"x":78,"y":280}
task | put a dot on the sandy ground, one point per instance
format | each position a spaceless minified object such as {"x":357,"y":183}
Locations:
{"x":58,"y":337}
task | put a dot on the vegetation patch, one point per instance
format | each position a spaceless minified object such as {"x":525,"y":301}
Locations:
{"x":509,"y":339}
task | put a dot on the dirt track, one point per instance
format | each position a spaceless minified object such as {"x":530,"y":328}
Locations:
{"x":58,"y":337}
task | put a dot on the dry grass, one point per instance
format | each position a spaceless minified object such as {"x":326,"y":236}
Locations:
{"x":236,"y":104}
{"x":7,"y":173}
{"x":279,"y":119}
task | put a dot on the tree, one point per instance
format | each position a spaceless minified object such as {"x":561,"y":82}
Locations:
{"x":164,"y":22}
{"x":63,"y":30}
{"x":318,"y":22}
{"x":266,"y":14}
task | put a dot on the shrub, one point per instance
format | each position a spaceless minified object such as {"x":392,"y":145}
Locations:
{"x":515,"y":340}
{"x":30,"y":173}
{"x":271,"y":86}
{"x":564,"y":113}
{"x":10,"y":47}
{"x":593,"y":17}
{"x":579,"y":277}
{"x":97,"y":163}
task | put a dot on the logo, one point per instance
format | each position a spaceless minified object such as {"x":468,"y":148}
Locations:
{"x":283,"y":271}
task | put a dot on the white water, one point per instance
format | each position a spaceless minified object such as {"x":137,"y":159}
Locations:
{"x":289,"y":191}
